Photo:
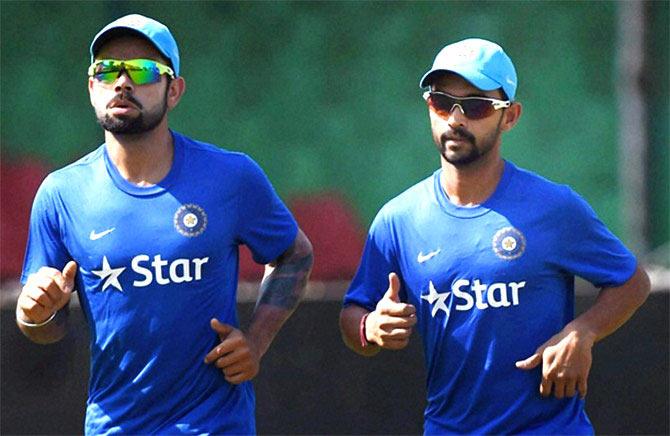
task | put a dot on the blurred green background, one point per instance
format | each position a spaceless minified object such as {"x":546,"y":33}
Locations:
{"x":325,"y":95}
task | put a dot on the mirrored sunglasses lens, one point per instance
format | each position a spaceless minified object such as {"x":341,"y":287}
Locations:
{"x":106,"y":71}
{"x":477,"y":109}
{"x":107,"y":76}
{"x":140,"y":71}
{"x":144,"y":76}
{"x":441,"y":104}
{"x":106,"y":66}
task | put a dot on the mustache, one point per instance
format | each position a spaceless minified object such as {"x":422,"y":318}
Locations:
{"x":124,"y":96}
{"x":457,"y":133}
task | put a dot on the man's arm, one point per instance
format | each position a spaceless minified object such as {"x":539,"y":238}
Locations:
{"x":350,"y":322}
{"x":42,"y":307}
{"x":282,"y":288}
{"x":566,"y":357}
{"x":388,"y":326}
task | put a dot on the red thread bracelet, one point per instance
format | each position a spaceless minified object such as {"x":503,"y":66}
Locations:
{"x":361,"y":332}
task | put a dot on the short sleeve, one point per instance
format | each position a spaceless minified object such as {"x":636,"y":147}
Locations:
{"x":265,"y":225}
{"x":45,"y":246}
{"x":378,"y":260}
{"x":589,"y":249}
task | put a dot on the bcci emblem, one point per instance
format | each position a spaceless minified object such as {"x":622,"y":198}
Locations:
{"x":509,"y":243}
{"x":190,"y":220}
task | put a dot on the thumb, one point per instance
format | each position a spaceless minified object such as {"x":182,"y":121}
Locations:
{"x":530,"y":362}
{"x":393,"y":292}
{"x":69,"y":273}
{"x":220,"y":328}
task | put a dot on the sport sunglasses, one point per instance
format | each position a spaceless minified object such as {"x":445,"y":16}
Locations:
{"x":475,"y":108}
{"x":140,"y":71}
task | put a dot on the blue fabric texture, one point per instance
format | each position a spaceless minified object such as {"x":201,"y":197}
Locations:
{"x":490,"y":284}
{"x":155,"y":265}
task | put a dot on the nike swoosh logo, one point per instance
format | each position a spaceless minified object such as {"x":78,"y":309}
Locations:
{"x":94,"y":236}
{"x":421,"y":258}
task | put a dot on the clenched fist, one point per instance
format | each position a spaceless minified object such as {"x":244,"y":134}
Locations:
{"x":45,"y":292}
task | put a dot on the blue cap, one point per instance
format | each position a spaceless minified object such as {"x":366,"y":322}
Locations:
{"x":482,"y":63}
{"x":157,"y":33}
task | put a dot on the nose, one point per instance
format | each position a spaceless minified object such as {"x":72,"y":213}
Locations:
{"x":123,"y":82}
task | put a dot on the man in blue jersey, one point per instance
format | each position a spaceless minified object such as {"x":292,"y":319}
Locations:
{"x":146,"y":229}
{"x":481,"y":257}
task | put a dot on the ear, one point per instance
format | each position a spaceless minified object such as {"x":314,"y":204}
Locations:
{"x":90,"y":90}
{"x":511,"y":117}
{"x":175,"y":91}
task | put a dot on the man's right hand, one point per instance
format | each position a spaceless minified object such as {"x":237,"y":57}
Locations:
{"x":45,"y":292}
{"x":390,"y":324}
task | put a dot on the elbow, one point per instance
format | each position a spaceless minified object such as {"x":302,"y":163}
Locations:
{"x":301,"y":253}
{"x":636,"y":290}
{"x":644,"y":285}
{"x":304,"y":249}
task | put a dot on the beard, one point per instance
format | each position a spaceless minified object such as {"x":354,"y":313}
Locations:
{"x":473,"y":149}
{"x":145,"y":121}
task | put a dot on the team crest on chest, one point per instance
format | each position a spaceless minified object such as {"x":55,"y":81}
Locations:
{"x":190,"y":220}
{"x":509,"y":243}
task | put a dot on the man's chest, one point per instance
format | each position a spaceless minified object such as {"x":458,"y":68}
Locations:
{"x":490,"y":264}
{"x":122,"y":241}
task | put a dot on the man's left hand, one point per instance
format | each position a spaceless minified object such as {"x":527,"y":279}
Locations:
{"x":236,"y":355}
{"x":566,"y":362}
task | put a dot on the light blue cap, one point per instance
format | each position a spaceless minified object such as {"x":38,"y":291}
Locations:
{"x":157,"y":33}
{"x":482,"y":63}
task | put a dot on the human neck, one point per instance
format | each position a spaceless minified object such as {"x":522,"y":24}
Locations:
{"x":472,"y":184}
{"x":143,"y":159}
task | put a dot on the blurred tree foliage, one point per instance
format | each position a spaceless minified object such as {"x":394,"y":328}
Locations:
{"x":325,"y":95}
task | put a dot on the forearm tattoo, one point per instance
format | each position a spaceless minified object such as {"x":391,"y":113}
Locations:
{"x":285,"y":286}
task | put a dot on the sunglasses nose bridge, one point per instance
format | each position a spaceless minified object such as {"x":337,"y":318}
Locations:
{"x":123,"y":80}
{"x":457,"y":105}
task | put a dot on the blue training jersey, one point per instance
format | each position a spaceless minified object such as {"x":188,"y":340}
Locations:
{"x":490,"y":284}
{"x":155,"y":265}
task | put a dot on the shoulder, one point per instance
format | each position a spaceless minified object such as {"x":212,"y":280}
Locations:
{"x":69,"y":175}
{"x":408,"y":204}
{"x":530,"y":185}
{"x":214,"y":158}
{"x":415,"y":197}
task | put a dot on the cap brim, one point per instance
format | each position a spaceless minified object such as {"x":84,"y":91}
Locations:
{"x":477,"y":79}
